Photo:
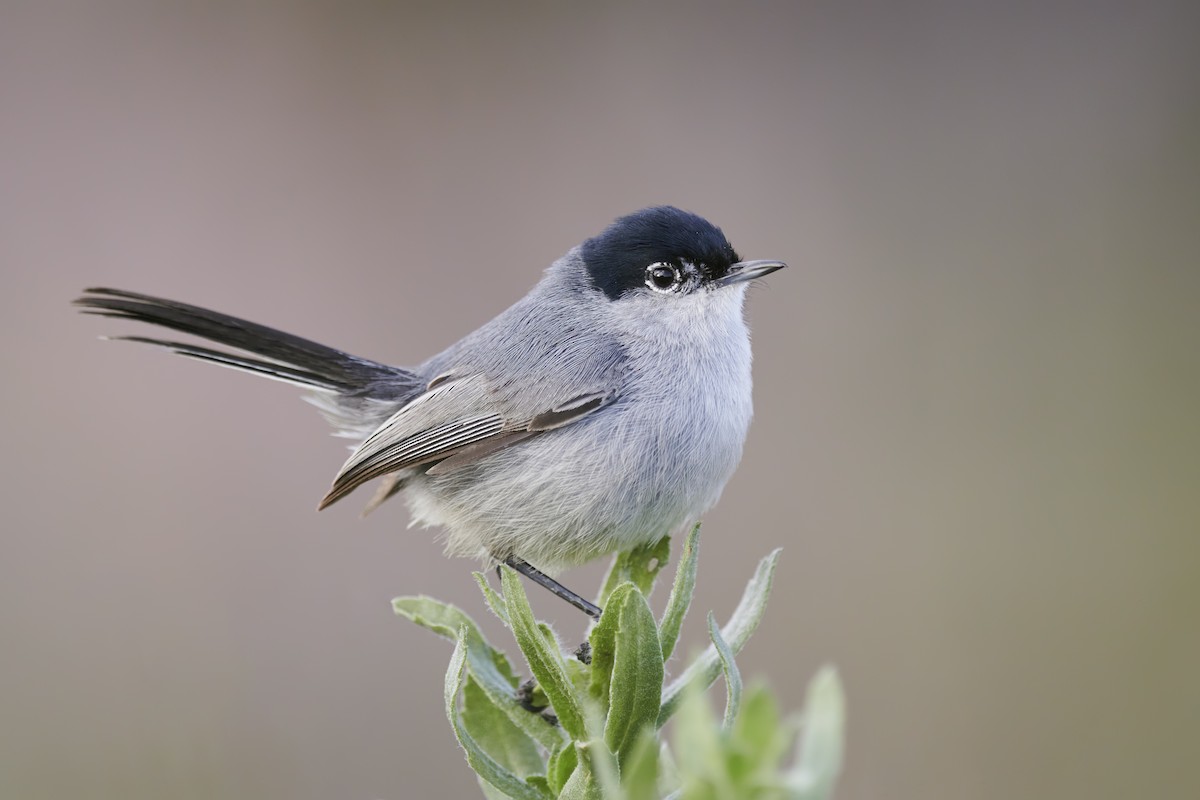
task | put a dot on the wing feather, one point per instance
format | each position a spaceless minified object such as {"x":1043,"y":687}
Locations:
{"x":456,"y":422}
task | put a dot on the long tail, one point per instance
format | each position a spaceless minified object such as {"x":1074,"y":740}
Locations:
{"x":357,"y":392}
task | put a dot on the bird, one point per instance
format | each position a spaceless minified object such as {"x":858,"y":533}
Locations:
{"x":606,"y":408}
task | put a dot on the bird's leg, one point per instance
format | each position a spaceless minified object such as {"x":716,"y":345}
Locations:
{"x":542,"y":579}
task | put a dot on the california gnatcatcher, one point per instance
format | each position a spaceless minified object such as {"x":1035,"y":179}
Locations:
{"x":605,"y":409}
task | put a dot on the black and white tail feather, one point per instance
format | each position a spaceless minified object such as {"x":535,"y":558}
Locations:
{"x":400,"y":421}
{"x":354,"y":394}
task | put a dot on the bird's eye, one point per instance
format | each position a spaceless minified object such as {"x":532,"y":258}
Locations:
{"x":663,"y":277}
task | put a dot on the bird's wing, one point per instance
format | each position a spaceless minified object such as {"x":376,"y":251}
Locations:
{"x":455,"y":423}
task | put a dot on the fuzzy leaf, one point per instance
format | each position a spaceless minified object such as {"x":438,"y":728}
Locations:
{"x":639,"y":566}
{"x":603,"y":639}
{"x":681,"y":593}
{"x":705,"y":669}
{"x":488,"y":665}
{"x":634,"y":687}
{"x":498,"y":735}
{"x":759,"y":735}
{"x":580,"y":675}
{"x":484,"y":765}
{"x":604,"y":764}
{"x":545,"y":660}
{"x":668,"y":771}
{"x":733,"y":678}
{"x":639,"y":775}
{"x":582,"y":784}
{"x":494,"y":601}
{"x":697,"y":743}
{"x":819,"y":759}
{"x":442,"y":618}
{"x":561,"y":765}
{"x":490,"y":792}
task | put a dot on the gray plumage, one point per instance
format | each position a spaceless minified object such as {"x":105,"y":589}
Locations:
{"x":604,"y":409}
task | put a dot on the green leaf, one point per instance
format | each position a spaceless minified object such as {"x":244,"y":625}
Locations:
{"x":603,"y":639}
{"x":484,"y":765}
{"x":639,"y":566}
{"x":705,"y":669}
{"x":669,"y":778}
{"x":639,"y":775}
{"x":819,"y":759}
{"x":594,"y":776}
{"x":545,"y":660}
{"x":551,"y":641}
{"x":498,"y":735}
{"x":580,"y":675}
{"x":634,"y":687}
{"x":681,"y":593}
{"x":582,"y":785}
{"x":758,"y":734}
{"x":698,"y":745}
{"x":604,"y":765}
{"x":488,"y":665}
{"x":733,"y":678}
{"x":494,"y":601}
{"x":442,"y":618}
{"x":561,"y":765}
{"x":490,"y":792}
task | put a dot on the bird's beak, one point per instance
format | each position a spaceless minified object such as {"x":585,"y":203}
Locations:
{"x":747,"y":271}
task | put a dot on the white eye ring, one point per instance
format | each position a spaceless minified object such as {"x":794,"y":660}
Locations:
{"x":664,"y":277}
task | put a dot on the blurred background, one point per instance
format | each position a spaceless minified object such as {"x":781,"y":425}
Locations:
{"x":976,"y":389}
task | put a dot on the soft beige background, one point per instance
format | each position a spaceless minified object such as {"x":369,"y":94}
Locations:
{"x":977,"y":388}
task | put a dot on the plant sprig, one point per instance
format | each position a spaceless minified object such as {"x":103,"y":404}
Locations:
{"x":604,"y":740}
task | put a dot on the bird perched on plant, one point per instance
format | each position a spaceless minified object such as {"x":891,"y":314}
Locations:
{"x":604,"y":409}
